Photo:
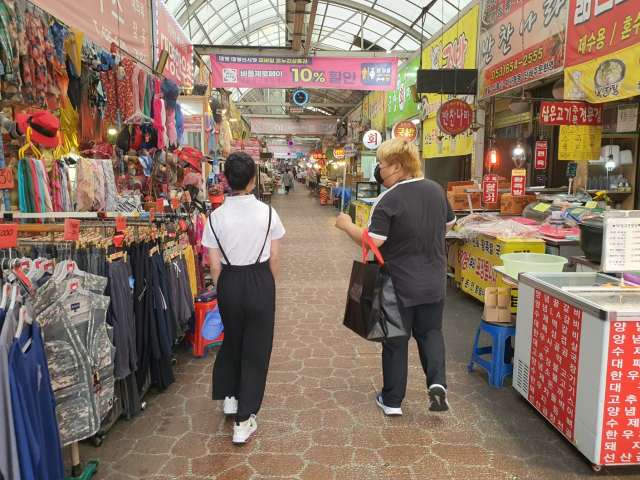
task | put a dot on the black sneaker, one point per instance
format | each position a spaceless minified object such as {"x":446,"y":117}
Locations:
{"x":438,"y":398}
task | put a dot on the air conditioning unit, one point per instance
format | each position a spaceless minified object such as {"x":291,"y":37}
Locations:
{"x":305,"y":29}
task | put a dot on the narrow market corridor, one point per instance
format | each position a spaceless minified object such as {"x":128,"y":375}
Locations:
{"x":319,"y":418}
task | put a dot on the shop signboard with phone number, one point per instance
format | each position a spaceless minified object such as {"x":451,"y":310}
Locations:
{"x":603,"y":47}
{"x":521,"y":41}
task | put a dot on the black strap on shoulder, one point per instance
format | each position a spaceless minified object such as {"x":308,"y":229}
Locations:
{"x":217,"y":240}
{"x":266,"y":237}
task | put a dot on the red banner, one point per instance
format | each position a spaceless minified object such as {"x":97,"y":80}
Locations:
{"x":490,"y":189}
{"x":518,"y":182}
{"x":257,"y":71}
{"x":521,"y":41}
{"x":171,"y":37}
{"x":569,"y":113}
{"x":541,"y":155}
{"x":125,"y":22}
{"x":621,"y":418}
{"x":600,"y":27}
{"x":555,"y":349}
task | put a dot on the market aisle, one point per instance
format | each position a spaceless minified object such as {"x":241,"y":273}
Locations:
{"x":319,"y":419}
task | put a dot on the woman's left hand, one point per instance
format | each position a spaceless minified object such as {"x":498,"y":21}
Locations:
{"x":343,"y":221}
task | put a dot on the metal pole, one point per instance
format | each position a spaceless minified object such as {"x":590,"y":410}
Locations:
{"x":344,"y":186}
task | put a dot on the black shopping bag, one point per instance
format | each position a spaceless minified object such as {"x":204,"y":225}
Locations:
{"x":372,"y":307}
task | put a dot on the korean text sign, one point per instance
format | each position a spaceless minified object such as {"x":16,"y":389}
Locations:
{"x":571,"y":113}
{"x":621,"y":417}
{"x":603,"y":46}
{"x":285,"y":126}
{"x":518,"y":182}
{"x":555,"y":351}
{"x":171,"y":38}
{"x":454,"y":117}
{"x":490,"y":189}
{"x":284,"y":72}
{"x":400,"y":104}
{"x":376,"y":110}
{"x":521,"y":41}
{"x":456,"y":48}
{"x":125,"y":22}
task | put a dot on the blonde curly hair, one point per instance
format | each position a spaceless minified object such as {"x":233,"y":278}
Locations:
{"x":404,"y":152}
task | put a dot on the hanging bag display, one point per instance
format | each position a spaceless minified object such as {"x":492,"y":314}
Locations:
{"x":372,"y":306}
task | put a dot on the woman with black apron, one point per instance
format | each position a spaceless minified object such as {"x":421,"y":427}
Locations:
{"x":243,"y":237}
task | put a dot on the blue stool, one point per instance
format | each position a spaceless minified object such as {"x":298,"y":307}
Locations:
{"x":501,"y":351}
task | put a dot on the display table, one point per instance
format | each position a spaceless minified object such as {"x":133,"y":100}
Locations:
{"x":476,"y":259}
{"x":363,"y":211}
{"x":576,"y":360}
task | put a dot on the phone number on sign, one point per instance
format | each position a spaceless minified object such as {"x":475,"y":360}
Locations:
{"x":529,"y":59}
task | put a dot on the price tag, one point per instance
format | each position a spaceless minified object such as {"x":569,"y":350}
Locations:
{"x":6,"y":178}
{"x":152,"y":214}
{"x":73,"y":286}
{"x":8,"y":235}
{"x":71,"y":229}
{"x":160,"y":205}
{"x":542,"y":207}
{"x":183,"y":225}
{"x":591,"y":204}
{"x":175,"y":203}
{"x":188,"y":195}
{"x":121,"y":224}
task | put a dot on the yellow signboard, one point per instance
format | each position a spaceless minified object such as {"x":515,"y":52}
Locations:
{"x":377,"y":110}
{"x":463,"y":144}
{"x":578,"y":142}
{"x":456,"y":48}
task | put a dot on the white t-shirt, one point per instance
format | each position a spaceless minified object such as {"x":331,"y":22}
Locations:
{"x":241,"y":226}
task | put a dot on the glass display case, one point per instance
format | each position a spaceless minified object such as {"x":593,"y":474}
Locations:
{"x":362,"y":190}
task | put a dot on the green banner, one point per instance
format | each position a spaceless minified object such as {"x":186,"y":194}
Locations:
{"x":399,"y":108}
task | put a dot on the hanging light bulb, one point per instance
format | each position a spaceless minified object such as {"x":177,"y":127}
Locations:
{"x":610,"y":165}
{"x":519,"y":157}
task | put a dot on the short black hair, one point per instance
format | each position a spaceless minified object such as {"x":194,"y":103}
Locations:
{"x":239,"y":170}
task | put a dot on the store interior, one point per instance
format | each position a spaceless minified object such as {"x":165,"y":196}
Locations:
{"x":116,"y":126}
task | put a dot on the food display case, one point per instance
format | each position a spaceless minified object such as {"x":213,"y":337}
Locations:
{"x":577,"y":361}
{"x":360,"y":191}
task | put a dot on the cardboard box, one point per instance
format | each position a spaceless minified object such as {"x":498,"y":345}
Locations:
{"x":515,"y":205}
{"x":494,"y":205}
{"x":460,"y":201}
{"x":460,"y":187}
{"x":497,"y":305}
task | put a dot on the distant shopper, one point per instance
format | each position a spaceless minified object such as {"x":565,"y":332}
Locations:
{"x":318,"y":178}
{"x":408,"y":224}
{"x":243,"y":237}
{"x":287,"y":179}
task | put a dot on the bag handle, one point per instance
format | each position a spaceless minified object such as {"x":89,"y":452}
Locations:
{"x":367,"y":239}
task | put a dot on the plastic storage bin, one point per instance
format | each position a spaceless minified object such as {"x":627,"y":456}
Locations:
{"x":515,"y":263}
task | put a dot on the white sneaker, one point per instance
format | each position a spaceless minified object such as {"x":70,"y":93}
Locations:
{"x":243,"y":433}
{"x":230,"y":406}
{"x":387,"y":410}
{"x":438,"y":398}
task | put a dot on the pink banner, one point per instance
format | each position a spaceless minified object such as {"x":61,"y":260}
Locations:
{"x":125,"y":22}
{"x":326,"y":72}
{"x":303,"y":126}
{"x":304,"y":149}
{"x":171,"y":37}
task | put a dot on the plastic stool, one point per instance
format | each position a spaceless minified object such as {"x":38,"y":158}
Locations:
{"x":501,"y":352}
{"x":197,"y":341}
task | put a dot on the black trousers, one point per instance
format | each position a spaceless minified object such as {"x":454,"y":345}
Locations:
{"x":247,"y":303}
{"x":424,"y":322}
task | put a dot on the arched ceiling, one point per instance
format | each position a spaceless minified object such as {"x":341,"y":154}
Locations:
{"x":392,"y":26}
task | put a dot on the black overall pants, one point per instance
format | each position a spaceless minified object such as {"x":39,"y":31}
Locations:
{"x":247,"y":303}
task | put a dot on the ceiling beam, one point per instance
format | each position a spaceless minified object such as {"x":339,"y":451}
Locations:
{"x":285,"y":104}
{"x":287,"y":52}
{"x":197,"y":4}
{"x":312,"y":21}
{"x":298,"y":25}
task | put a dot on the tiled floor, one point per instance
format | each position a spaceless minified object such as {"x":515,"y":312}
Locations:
{"x":319,"y":419}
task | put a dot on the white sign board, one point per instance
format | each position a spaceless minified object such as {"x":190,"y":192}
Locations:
{"x":372,"y":139}
{"x":621,"y":241}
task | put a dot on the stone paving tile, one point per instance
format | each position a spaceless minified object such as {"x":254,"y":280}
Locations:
{"x":319,"y":420}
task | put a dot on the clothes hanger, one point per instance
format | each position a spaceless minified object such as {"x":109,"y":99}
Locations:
{"x":73,"y":287}
{"x":6,"y":291}
{"x":29,"y":145}
{"x":15,"y":296}
{"x":23,"y":317}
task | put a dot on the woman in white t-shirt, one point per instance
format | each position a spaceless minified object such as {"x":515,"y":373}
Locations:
{"x":243,"y":237}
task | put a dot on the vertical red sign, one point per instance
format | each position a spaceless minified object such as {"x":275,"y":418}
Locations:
{"x":555,"y":350}
{"x":490,"y":189}
{"x":621,"y":418}
{"x":541,"y":155}
{"x":518,"y":182}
